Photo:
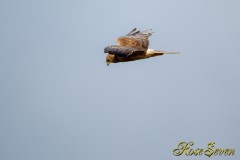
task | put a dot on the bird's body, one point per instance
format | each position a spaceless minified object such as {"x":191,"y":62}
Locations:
{"x":133,"y":46}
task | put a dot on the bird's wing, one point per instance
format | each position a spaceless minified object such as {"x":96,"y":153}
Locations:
{"x":123,"y":51}
{"x":135,"y":39}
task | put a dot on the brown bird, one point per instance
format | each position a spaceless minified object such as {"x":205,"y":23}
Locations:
{"x":131,"y":47}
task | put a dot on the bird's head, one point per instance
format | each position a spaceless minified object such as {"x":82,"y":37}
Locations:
{"x":109,"y":58}
{"x":108,"y":62}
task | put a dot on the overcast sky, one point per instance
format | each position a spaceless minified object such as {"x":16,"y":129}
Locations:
{"x":59,"y":99}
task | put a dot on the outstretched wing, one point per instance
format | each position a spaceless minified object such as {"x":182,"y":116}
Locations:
{"x":123,"y":51}
{"x":135,"y":39}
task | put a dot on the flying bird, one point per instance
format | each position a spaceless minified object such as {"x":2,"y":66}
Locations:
{"x":131,"y":47}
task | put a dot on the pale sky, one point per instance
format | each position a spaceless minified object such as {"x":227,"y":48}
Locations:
{"x":59,"y":100}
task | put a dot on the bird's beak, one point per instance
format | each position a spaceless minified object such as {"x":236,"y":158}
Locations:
{"x":108,"y":63}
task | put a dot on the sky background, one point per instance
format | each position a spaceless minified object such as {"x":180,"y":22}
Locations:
{"x":59,"y":100}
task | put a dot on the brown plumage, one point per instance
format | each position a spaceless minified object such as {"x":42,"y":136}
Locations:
{"x":133,"y":46}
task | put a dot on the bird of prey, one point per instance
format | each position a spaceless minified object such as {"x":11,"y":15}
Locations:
{"x":131,"y":47}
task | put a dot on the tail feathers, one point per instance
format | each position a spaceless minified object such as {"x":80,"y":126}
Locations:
{"x":159,"y":52}
{"x":164,"y":52}
{"x":172,"y":53}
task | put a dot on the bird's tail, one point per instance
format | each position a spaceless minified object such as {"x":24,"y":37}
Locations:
{"x":165,"y":52}
{"x":153,"y":52}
